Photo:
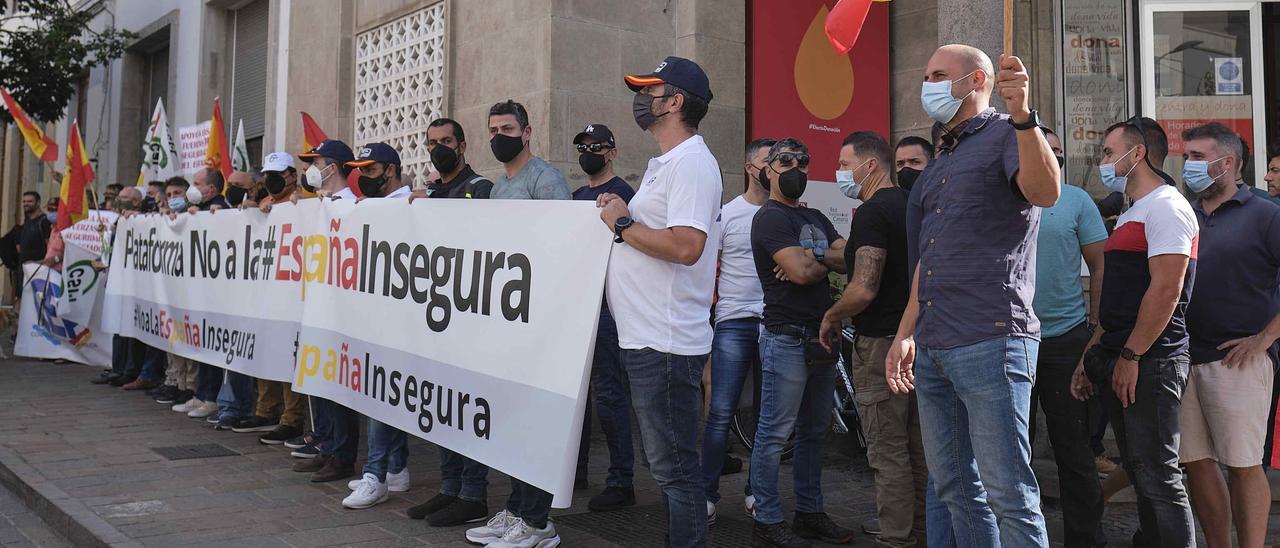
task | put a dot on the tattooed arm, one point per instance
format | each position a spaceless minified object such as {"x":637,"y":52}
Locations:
{"x":868,"y":267}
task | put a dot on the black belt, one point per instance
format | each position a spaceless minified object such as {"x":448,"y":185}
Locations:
{"x":792,"y":330}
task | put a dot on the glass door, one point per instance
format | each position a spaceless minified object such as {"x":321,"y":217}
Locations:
{"x":1202,"y":62}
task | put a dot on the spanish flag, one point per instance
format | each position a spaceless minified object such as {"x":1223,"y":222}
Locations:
{"x":72,"y":207}
{"x":312,"y":135}
{"x":844,"y":23}
{"x":41,"y":144}
{"x":216,"y":155}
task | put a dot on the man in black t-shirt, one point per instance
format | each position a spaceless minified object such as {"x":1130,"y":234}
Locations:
{"x":795,"y":248}
{"x":875,"y":298}
{"x":447,"y":145}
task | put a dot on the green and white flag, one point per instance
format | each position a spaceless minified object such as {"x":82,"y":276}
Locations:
{"x":240,"y":154}
{"x":159,"y":158}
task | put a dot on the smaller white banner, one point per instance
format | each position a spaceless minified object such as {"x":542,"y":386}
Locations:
{"x":42,"y":333}
{"x":193,"y":143}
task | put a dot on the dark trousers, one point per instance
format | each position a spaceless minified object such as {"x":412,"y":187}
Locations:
{"x":337,"y":428}
{"x":1147,"y":433}
{"x":529,"y":503}
{"x":612,"y":401}
{"x":208,"y":382}
{"x":1069,"y":431}
{"x":462,"y":477}
{"x":120,"y":357}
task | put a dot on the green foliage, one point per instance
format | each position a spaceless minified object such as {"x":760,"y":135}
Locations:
{"x":45,"y":45}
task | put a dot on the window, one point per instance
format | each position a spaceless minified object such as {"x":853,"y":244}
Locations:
{"x":249,"y":72}
{"x":399,"y":85}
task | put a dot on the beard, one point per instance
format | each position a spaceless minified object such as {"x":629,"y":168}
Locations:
{"x":1217,"y":189}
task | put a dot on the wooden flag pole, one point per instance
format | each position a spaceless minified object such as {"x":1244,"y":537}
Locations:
{"x":1008,"y":27}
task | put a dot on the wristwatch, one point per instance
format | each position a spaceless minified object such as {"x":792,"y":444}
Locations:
{"x":819,"y":253}
{"x":1130,"y":355}
{"x":1032,"y":123}
{"x":619,"y":225}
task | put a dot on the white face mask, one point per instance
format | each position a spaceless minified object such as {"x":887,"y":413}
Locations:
{"x":194,"y":196}
{"x":314,"y":177}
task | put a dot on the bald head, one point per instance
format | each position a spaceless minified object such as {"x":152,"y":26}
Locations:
{"x":131,"y":193}
{"x":958,"y":60}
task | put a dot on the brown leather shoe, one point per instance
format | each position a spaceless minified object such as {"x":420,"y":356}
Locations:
{"x":333,"y":471}
{"x":311,"y":465}
{"x":141,"y":384}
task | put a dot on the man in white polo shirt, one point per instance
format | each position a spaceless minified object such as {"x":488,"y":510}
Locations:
{"x":660,"y":283}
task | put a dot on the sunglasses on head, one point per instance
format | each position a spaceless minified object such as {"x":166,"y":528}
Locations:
{"x":792,"y":159}
{"x":593,"y":147}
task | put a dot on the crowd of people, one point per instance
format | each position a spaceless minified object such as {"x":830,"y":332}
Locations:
{"x":963,"y":288}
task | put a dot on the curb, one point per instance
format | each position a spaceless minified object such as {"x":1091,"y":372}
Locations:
{"x":64,"y":514}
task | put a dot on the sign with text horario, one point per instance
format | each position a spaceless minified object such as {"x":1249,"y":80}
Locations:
{"x":434,"y":317}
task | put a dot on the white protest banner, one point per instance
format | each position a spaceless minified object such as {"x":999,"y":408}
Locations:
{"x":159,"y":159}
{"x":88,"y":232}
{"x":44,"y":334}
{"x":193,"y":142}
{"x":468,"y":323}
{"x":81,"y":284}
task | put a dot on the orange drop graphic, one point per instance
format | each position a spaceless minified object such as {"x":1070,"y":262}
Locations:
{"x":824,"y":78}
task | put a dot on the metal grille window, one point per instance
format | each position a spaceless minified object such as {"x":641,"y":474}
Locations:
{"x":399,"y":84}
{"x":249,"y":70}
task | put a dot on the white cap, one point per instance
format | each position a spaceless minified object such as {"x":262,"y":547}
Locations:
{"x":277,"y":161}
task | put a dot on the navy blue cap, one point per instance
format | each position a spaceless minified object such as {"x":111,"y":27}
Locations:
{"x":599,"y":132}
{"x":375,"y":152}
{"x":332,"y":149}
{"x":677,"y":71}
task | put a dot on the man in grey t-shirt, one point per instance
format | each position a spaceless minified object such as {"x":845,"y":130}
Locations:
{"x":525,"y":177}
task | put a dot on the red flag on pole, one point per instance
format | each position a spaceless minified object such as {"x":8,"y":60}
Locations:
{"x":41,"y":145}
{"x":312,"y":136}
{"x":217,"y":155}
{"x":844,"y":23}
{"x":72,"y":207}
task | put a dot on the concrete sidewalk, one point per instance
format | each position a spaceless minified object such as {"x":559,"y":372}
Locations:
{"x":82,"y":458}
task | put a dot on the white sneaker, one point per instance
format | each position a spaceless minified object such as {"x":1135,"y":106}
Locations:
{"x":493,"y":530}
{"x":368,"y":493}
{"x":750,"y":503}
{"x":355,"y":484}
{"x":711,"y":513}
{"x":187,"y":406}
{"x":521,"y":535}
{"x":204,"y":410}
{"x":399,"y":482}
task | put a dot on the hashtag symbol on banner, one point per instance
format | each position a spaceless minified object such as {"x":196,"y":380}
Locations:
{"x":268,"y":251}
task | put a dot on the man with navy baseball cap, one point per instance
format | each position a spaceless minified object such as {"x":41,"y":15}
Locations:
{"x":660,"y":282}
{"x":327,"y":171}
{"x":380,"y":175}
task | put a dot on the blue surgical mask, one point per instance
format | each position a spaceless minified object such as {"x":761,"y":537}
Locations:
{"x":52,"y":216}
{"x":178,"y":203}
{"x":938,"y":102}
{"x":849,"y":185}
{"x":1195,"y":173}
{"x":1116,"y":183}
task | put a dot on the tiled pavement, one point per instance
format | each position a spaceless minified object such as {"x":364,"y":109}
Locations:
{"x":82,"y":456}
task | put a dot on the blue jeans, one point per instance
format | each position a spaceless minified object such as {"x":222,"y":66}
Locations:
{"x":132,"y":357}
{"x":235,"y":398}
{"x":666,"y":394}
{"x":121,"y":358}
{"x":529,"y":503}
{"x":208,"y":382}
{"x":735,"y":353}
{"x":337,"y":428}
{"x":937,"y":520}
{"x":1147,"y":433}
{"x":612,"y":403}
{"x":388,"y":450}
{"x":975,"y":402}
{"x":463,"y":478}
{"x":792,"y":395}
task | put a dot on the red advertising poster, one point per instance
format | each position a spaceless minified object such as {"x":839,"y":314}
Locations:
{"x":800,"y":87}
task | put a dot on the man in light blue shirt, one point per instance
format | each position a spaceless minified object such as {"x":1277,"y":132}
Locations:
{"x":524,"y":176}
{"x":1070,"y":229}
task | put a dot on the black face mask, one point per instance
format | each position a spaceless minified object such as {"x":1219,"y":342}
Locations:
{"x":792,"y":182}
{"x":642,"y":109}
{"x":505,"y":147}
{"x":235,"y":195}
{"x":591,"y":163}
{"x":371,"y":187}
{"x":444,"y":158}
{"x":907,"y":177}
{"x":274,"y":182}
{"x":1062,"y":161}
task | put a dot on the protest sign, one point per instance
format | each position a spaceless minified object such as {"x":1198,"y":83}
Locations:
{"x":42,"y":333}
{"x":193,"y":142}
{"x":478,"y":339}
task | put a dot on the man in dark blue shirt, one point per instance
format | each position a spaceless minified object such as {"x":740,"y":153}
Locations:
{"x":1233,"y":326}
{"x":597,"y":150}
{"x":972,"y":221}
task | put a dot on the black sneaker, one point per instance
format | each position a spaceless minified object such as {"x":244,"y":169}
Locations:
{"x":106,"y":378}
{"x":280,"y":435}
{"x":777,"y":535}
{"x":157,"y":391}
{"x":183,"y":396}
{"x":818,"y":525}
{"x":458,"y":513}
{"x":301,"y":441}
{"x":580,"y":483}
{"x":122,"y":380}
{"x":255,"y":424}
{"x":437,"y":503}
{"x":871,"y":527}
{"x":732,"y":465}
{"x":612,"y":498}
{"x":166,"y":394}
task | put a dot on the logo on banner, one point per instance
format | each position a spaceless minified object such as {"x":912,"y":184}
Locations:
{"x":48,"y":324}
{"x":79,"y":279}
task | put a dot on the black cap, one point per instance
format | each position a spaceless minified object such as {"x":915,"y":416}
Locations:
{"x":677,"y":71}
{"x":332,"y":149}
{"x":375,"y":152}
{"x":599,"y":132}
